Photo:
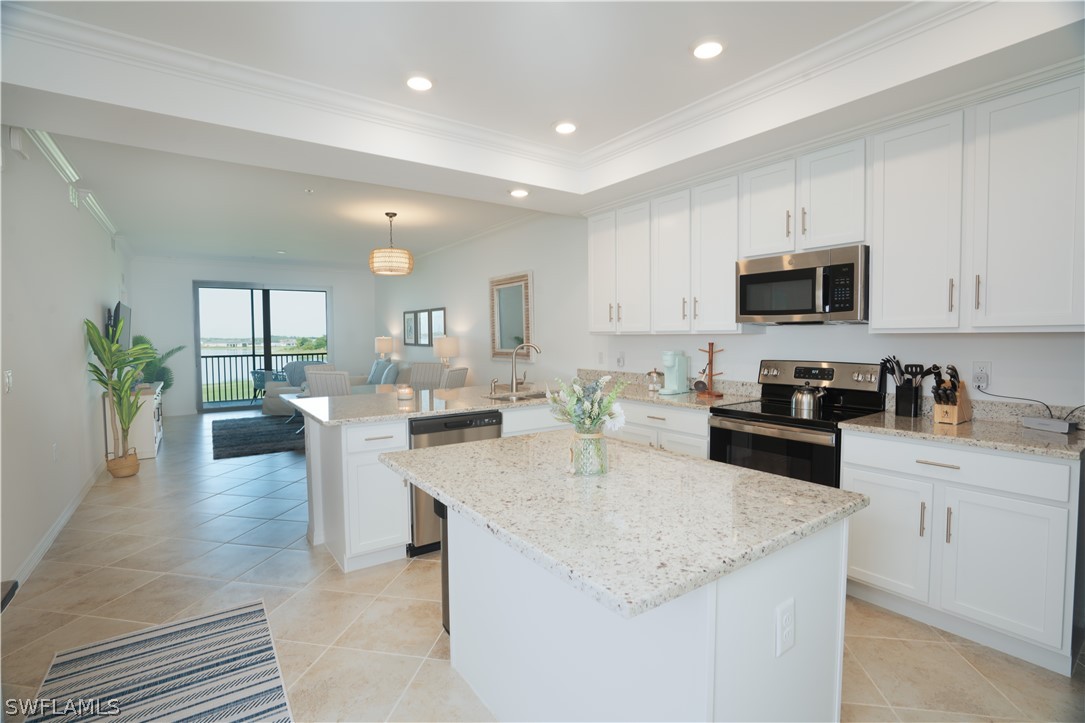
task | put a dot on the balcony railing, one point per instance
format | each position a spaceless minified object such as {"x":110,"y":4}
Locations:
{"x":228,"y":377}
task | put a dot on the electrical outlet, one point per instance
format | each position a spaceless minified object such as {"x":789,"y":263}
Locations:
{"x":785,"y":626}
{"x":981,"y":374}
{"x":9,"y":380}
{"x":621,"y":359}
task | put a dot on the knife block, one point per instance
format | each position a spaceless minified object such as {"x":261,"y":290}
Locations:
{"x":958,"y":413}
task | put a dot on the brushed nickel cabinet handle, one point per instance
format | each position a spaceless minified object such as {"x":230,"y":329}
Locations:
{"x":804,"y":221}
{"x":787,"y":224}
{"x":610,"y":312}
{"x":374,"y":439}
{"x":977,"y":291}
{"x":658,"y":419}
{"x":684,"y":302}
{"x":937,"y":464}
{"x":619,"y":312}
{"x":951,"y":294}
{"x":922,"y":518}
{"x":949,"y":524}
{"x":694,"y":307}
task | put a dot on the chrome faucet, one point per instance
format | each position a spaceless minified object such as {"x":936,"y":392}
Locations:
{"x":514,"y":386}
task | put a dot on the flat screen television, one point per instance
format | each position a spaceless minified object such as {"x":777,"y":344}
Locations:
{"x":119,"y":313}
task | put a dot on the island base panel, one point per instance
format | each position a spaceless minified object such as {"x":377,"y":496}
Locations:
{"x":533,"y":647}
{"x":315,"y":533}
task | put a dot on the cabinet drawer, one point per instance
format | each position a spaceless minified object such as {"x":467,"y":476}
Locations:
{"x":528,"y":419}
{"x":672,"y":419}
{"x":376,"y":437}
{"x":1030,"y":476}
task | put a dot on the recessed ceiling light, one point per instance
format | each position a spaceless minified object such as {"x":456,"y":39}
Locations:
{"x":419,"y":83}
{"x":280,"y":252}
{"x":518,"y":192}
{"x":707,"y":50}
{"x":309,"y":190}
{"x":565,"y":128}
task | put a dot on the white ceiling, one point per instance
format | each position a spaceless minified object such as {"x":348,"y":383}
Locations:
{"x":200,"y":125}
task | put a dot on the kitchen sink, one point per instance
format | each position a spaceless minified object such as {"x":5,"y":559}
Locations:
{"x":515,"y":397}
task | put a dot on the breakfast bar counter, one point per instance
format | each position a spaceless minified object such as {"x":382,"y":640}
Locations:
{"x":626,"y":595}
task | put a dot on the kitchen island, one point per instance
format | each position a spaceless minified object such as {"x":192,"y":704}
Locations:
{"x":671,"y":588}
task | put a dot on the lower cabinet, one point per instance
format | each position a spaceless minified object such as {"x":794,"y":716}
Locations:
{"x":377,"y":505}
{"x":678,"y":430}
{"x":987,"y":538}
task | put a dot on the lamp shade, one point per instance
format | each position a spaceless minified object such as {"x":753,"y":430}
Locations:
{"x":391,"y":262}
{"x":446,"y":347}
{"x":382,"y":345}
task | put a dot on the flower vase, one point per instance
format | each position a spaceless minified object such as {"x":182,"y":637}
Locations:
{"x":589,"y":454}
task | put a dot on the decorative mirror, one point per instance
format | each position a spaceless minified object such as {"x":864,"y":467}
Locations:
{"x":421,"y":326}
{"x":510,"y":315}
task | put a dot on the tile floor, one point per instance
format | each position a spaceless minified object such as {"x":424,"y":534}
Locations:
{"x":192,"y":534}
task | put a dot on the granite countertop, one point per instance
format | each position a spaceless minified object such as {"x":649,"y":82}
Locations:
{"x":690,"y":400}
{"x":383,"y":406}
{"x":657,"y":526}
{"x":1001,"y":435}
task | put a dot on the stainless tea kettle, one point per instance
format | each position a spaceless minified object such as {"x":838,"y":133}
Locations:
{"x":805,"y":400}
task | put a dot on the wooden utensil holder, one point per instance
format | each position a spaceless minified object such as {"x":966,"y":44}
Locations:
{"x":958,"y":413}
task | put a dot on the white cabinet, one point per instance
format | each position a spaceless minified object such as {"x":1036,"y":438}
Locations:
{"x":915,"y":244}
{"x":378,"y":506}
{"x":899,"y":519}
{"x":1004,"y":563}
{"x":671,"y":298}
{"x":823,"y":205}
{"x":714,"y":250}
{"x":1027,"y":253}
{"x":671,"y":428}
{"x":977,"y":542}
{"x":528,"y":420}
{"x":619,"y":266}
{"x":145,"y":434}
{"x":832,"y":196}
{"x":766,"y":219}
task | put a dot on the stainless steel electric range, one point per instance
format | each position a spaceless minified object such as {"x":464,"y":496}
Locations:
{"x":793,"y":429}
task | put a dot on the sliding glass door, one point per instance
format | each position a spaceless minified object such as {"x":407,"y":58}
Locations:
{"x":247,"y":333}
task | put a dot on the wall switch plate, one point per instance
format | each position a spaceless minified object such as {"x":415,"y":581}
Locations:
{"x":9,"y":380}
{"x":785,"y":626}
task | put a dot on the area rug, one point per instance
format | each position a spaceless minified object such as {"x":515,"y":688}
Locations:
{"x":254,"y":435}
{"x":217,"y":667}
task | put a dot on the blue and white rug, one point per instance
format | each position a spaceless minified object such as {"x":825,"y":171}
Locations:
{"x":217,"y":667}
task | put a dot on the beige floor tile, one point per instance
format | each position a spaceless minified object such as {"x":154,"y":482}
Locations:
{"x":226,"y":561}
{"x":395,"y":625}
{"x":49,"y":575}
{"x":296,"y":491}
{"x":169,"y":524}
{"x":371,"y":580}
{"x":913,"y":715}
{"x":29,"y":665}
{"x":296,"y":514}
{"x":175,"y":500}
{"x":221,"y":529}
{"x":238,"y":593}
{"x":351,"y":685}
{"x":857,"y":713}
{"x":259,"y":488}
{"x":91,"y":591}
{"x":439,"y":693}
{"x":929,"y":676}
{"x":295,"y":658}
{"x":858,"y":687}
{"x":265,"y":508}
{"x":421,"y":580}
{"x":166,"y":555}
{"x":290,"y":568}
{"x":274,"y":533}
{"x":1040,"y":694}
{"x":102,"y":518}
{"x":442,"y":649}
{"x":160,"y":599}
{"x":865,"y":620}
{"x":71,"y":539}
{"x":317,"y":616}
{"x":108,"y":550}
{"x":20,"y":626}
{"x":221,"y":504}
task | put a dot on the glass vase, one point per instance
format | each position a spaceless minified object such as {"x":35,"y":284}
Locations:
{"x":589,"y":454}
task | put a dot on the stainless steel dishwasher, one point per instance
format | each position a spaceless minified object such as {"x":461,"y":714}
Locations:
{"x":428,"y":528}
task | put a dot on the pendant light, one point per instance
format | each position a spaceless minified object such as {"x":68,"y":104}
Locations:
{"x":390,"y":261}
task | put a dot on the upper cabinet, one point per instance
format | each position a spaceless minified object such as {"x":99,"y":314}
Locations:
{"x":1027,"y":260}
{"x":619,"y":270}
{"x":822,"y":204}
{"x":714,"y":247}
{"x":916,"y":234}
{"x":671,"y":298}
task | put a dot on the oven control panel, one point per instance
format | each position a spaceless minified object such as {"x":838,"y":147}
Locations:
{"x":838,"y":375}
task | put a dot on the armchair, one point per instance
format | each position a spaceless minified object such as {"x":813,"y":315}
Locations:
{"x":294,"y":384}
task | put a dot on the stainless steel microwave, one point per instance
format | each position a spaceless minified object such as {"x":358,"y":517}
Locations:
{"x":813,"y":287}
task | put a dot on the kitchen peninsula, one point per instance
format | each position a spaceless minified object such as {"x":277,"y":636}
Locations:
{"x":629,"y":595}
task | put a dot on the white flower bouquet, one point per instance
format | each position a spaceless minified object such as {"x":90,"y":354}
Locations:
{"x":586,"y":407}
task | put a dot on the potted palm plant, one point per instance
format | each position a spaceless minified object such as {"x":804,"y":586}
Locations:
{"x":117,"y":372}
{"x":156,"y":369}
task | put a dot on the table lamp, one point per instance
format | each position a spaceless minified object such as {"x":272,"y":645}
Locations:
{"x":446,"y":347}
{"x":383,"y":346}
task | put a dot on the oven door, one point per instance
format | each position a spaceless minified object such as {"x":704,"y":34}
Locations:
{"x":811,"y":455}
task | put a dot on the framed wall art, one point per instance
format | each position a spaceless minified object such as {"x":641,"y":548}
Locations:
{"x":422,"y":326}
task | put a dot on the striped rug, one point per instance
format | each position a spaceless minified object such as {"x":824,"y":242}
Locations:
{"x":218,"y":667}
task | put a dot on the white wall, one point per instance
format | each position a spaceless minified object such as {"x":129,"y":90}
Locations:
{"x":57,"y":269}
{"x":551,"y":247}
{"x":163,"y":310}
